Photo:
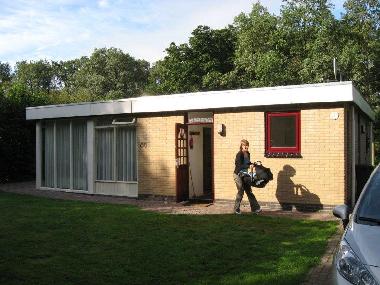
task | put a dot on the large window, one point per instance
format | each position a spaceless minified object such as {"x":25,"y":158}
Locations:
{"x":283,"y":134}
{"x":64,"y":154}
{"x":115,"y":152}
{"x":79,"y":154}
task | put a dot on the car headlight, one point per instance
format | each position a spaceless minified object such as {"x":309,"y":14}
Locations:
{"x":351,"y":268}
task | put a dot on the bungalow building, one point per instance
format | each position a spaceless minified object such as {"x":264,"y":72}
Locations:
{"x":183,"y":146}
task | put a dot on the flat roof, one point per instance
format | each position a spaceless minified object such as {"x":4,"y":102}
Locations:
{"x":280,"y":95}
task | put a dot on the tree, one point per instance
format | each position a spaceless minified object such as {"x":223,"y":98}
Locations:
{"x":17,"y":136}
{"x":258,"y":61}
{"x":65,"y":71}
{"x":37,"y":76}
{"x":5,"y":72}
{"x":360,"y":54}
{"x":109,"y":74}
{"x":308,"y":40}
{"x":197,"y":65}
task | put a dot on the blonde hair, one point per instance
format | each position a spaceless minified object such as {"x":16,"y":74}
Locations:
{"x":243,"y":142}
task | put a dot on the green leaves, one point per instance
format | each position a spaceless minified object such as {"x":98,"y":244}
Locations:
{"x":197,"y":65}
{"x":110,"y":74}
{"x":5,"y":72}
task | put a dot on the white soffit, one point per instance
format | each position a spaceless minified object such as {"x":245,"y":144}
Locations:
{"x":283,"y":95}
{"x":362,"y":104}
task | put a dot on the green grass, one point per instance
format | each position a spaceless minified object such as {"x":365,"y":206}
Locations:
{"x":46,"y":241}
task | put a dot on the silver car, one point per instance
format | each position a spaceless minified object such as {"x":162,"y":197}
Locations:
{"x":357,"y":259}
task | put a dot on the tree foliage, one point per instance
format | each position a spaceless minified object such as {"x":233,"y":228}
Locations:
{"x":5,"y":72}
{"x":110,"y":74}
{"x":196,"y":65}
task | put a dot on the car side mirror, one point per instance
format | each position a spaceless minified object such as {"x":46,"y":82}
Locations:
{"x":342,"y":212}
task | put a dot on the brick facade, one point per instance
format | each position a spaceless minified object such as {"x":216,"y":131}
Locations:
{"x":320,"y":177}
{"x":316,"y":178}
{"x":156,"y":159}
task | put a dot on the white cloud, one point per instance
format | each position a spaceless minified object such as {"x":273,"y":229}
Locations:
{"x":103,"y":3}
{"x":64,"y":29}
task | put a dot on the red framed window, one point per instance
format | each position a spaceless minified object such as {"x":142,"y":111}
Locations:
{"x":283,"y":134}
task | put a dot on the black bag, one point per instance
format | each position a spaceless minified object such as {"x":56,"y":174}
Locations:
{"x":262,"y":177}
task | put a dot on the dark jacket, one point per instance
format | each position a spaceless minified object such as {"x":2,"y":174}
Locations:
{"x":239,"y":162}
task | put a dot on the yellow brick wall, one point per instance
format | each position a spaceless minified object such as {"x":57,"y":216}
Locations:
{"x":156,"y":155}
{"x":319,"y":173}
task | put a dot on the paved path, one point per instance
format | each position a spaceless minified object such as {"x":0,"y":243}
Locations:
{"x":320,"y":274}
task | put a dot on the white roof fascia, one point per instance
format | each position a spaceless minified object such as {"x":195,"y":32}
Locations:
{"x":362,"y":104}
{"x":282,"y":95}
{"x":79,"y":110}
{"x":297,"y":94}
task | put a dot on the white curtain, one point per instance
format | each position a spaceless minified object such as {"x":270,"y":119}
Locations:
{"x":79,"y":137}
{"x":48,"y":155}
{"x":126,"y":154}
{"x":63,"y":154}
{"x":104,"y":154}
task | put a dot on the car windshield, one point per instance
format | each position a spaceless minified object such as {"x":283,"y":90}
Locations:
{"x":369,"y":208}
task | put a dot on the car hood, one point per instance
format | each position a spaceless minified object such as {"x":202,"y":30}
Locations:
{"x":365,"y":242}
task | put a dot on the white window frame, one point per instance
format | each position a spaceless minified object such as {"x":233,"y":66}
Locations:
{"x":115,"y":127}
{"x":54,"y":170}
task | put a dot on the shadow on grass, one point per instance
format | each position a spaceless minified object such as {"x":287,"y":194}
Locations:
{"x":45,"y":241}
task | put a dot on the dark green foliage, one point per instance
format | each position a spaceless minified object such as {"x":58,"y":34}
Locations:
{"x":17,"y":136}
{"x":199,"y":65}
{"x":36,"y":76}
{"x":110,"y":74}
{"x":360,"y":56}
{"x":44,"y":241}
{"x":5,"y":72}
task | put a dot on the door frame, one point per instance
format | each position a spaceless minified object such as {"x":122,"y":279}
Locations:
{"x":212,"y":125}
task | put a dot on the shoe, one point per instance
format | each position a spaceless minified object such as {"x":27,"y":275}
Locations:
{"x":237,"y":212}
{"x":257,"y":211}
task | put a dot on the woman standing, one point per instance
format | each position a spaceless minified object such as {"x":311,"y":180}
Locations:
{"x":242,"y":163}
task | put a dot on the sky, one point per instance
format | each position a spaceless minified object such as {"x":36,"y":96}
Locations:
{"x":67,"y":29}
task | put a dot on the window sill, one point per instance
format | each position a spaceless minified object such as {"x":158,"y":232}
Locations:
{"x":283,"y":155}
{"x":116,"y":181}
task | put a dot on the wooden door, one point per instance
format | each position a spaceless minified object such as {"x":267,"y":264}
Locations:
{"x":182,"y":162}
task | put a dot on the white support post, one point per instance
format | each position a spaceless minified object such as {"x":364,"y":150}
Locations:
{"x":71,"y":157}
{"x":114,"y":174}
{"x":38,"y":154}
{"x":55,"y":155}
{"x":90,"y":156}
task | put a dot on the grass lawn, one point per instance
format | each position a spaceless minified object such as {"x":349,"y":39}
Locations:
{"x":45,"y":241}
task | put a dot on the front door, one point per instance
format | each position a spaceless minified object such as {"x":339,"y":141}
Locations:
{"x":182,"y":163}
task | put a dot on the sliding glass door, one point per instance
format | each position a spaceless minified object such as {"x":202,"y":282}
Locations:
{"x":64,"y":154}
